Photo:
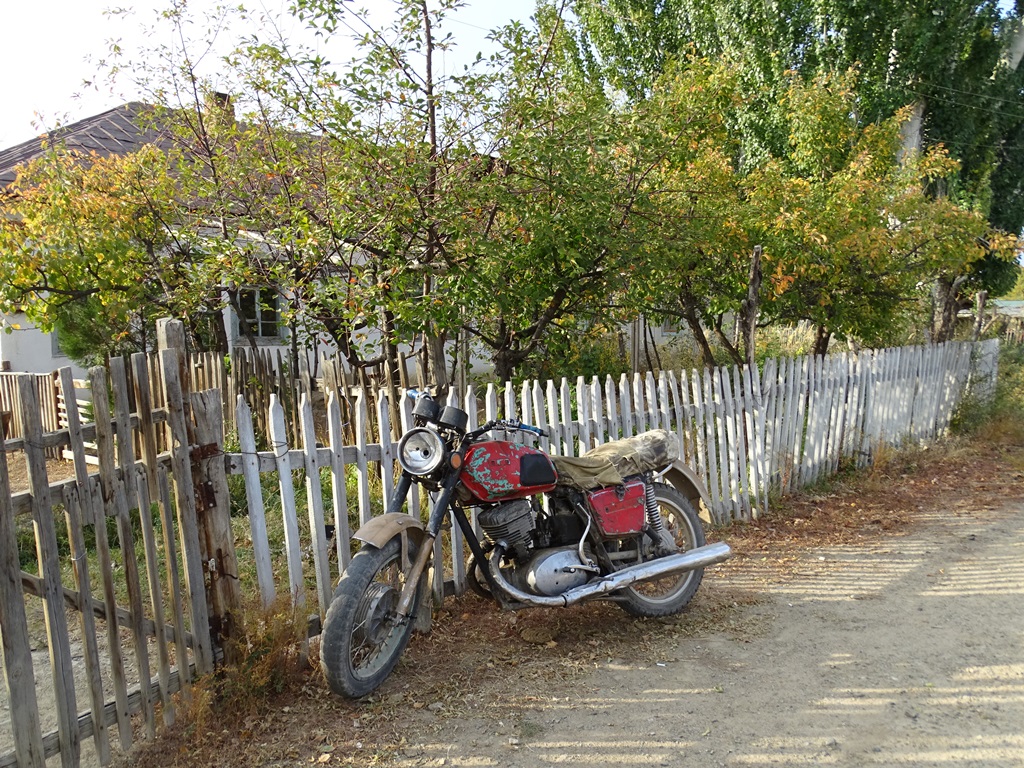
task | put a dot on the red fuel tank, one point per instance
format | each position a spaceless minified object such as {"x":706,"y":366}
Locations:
{"x":496,"y":470}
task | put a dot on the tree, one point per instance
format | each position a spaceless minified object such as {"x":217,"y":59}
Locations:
{"x":88,"y":237}
{"x":956,"y":63}
{"x":906,"y":54}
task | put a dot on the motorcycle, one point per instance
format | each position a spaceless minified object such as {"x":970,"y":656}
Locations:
{"x":557,"y":531}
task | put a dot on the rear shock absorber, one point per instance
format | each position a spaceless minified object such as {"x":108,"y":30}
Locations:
{"x":655,"y":522}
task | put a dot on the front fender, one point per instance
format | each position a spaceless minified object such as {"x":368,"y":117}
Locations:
{"x":687,"y":482}
{"x":379,"y":530}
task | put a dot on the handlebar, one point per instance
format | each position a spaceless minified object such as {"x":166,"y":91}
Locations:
{"x":510,"y":424}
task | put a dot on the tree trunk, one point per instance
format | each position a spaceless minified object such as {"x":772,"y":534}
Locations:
{"x":910,"y":133}
{"x":726,"y":342}
{"x":433,"y":366}
{"x":391,"y":375}
{"x":504,"y":365}
{"x":689,"y":313}
{"x":945,"y":297}
{"x":822,"y":337}
{"x":1015,"y":51}
{"x":655,"y":363}
{"x":979,"y":314}
{"x":749,"y":308}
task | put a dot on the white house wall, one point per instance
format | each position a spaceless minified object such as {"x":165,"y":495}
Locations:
{"x":26,"y":349}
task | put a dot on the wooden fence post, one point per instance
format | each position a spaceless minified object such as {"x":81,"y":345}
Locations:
{"x":203,"y":425}
{"x":171,"y":333}
{"x":54,"y":612}
{"x":213,"y":512}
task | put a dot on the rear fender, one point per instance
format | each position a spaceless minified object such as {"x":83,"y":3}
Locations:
{"x":687,"y":482}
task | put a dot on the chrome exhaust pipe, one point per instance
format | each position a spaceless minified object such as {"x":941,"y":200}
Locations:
{"x":701,"y":557}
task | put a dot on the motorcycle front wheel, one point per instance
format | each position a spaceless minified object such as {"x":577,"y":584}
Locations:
{"x":362,"y":637}
{"x":671,"y":594}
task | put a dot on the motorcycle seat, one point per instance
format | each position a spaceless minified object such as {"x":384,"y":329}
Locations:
{"x":609,"y":464}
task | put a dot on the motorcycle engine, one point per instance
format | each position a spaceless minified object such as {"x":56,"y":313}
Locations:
{"x":552,"y":572}
{"x":511,"y":522}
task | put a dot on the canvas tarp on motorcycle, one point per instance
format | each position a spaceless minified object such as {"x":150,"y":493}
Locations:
{"x":610,"y":463}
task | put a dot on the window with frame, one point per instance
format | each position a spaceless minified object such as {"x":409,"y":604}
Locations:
{"x":259,"y":308}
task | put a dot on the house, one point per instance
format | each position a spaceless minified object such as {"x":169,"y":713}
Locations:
{"x":121,"y":130}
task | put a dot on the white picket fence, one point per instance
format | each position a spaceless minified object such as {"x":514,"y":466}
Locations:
{"x":747,"y":432}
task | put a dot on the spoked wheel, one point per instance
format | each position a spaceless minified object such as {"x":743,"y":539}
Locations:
{"x":363,"y":638}
{"x":671,"y":594}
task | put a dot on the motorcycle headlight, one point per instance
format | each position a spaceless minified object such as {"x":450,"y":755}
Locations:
{"x":420,"y":451}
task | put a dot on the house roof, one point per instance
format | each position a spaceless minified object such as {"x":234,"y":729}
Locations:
{"x":117,"y":131}
{"x":1009,"y":307}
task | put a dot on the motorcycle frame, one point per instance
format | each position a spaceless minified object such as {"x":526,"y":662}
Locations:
{"x":445,"y":502}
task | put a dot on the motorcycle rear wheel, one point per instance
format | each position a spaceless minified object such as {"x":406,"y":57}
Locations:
{"x":362,"y":639}
{"x":669,"y":595}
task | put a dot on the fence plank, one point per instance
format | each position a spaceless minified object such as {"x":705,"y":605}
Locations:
{"x":731,"y":448}
{"x":339,"y":478}
{"x":387,"y":453}
{"x":92,"y":499}
{"x":75,"y":519}
{"x":714,"y":477}
{"x":155,"y":597}
{"x":565,"y":416}
{"x":185,"y":499}
{"x":289,"y":515}
{"x":407,"y":424}
{"x":700,"y":442}
{"x":254,"y":502}
{"x":49,"y":569}
{"x":216,"y":538}
{"x":803,"y":392}
{"x":752,"y":413}
{"x":126,"y":499}
{"x":697,"y":422}
{"x":510,"y":400}
{"x":584,"y":406}
{"x":627,"y":415}
{"x":553,"y":423}
{"x":19,"y":677}
{"x":614,"y":428}
{"x":547,"y":444}
{"x":174,"y":580}
{"x":315,"y":504}
{"x":640,"y":406}
{"x":365,"y":511}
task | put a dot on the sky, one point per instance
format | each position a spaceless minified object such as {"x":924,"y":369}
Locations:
{"x":52,"y":47}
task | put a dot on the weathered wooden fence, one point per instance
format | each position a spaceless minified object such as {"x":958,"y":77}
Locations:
{"x":155,"y":596}
{"x":124,"y":549}
{"x":47,"y":392}
{"x":747,"y":433}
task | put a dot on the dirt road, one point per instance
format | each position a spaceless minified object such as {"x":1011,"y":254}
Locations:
{"x":877,"y":623}
{"x":904,"y":653}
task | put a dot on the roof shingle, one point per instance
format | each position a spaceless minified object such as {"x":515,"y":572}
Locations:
{"x":117,"y":131}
